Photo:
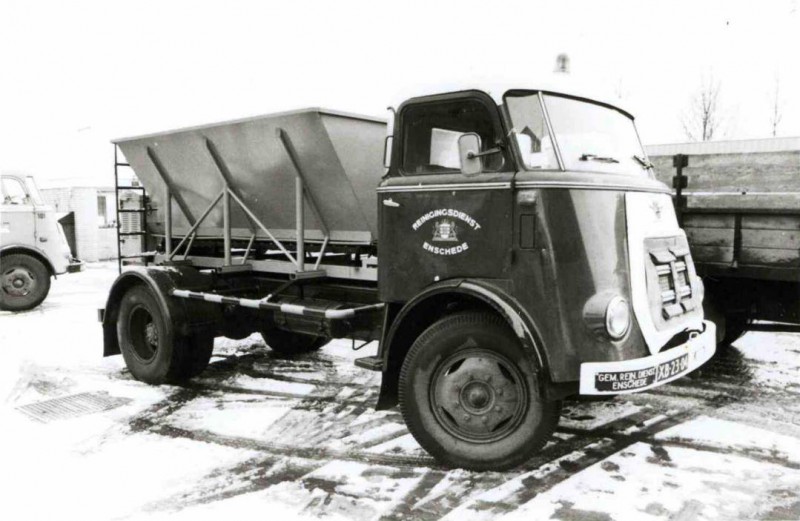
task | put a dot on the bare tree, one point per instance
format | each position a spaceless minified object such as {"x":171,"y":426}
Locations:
{"x":777,"y":106}
{"x":703,"y":117}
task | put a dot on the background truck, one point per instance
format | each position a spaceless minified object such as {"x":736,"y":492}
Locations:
{"x":739,"y":202}
{"x":33,"y":247}
{"x":526,"y":254}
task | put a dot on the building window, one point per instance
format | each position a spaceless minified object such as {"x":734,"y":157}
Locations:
{"x":102,"y":211}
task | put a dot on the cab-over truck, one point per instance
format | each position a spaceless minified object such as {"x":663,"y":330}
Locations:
{"x":33,"y":247}
{"x":527,"y":254}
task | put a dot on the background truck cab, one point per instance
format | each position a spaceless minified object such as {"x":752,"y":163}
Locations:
{"x":32,"y":245}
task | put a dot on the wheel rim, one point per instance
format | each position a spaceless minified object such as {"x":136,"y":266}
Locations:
{"x":18,"y":282}
{"x":479,"y":395}
{"x":143,"y":333}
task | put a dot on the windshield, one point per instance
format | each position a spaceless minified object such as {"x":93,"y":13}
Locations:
{"x":590,"y":137}
{"x":34,"y":191}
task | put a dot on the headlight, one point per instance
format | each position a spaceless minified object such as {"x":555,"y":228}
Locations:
{"x":618,"y":318}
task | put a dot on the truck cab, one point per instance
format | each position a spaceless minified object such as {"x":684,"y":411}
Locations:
{"x":33,"y":247}
{"x":543,"y":206}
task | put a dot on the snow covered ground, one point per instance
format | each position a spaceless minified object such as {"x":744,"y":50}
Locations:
{"x":258,"y":435}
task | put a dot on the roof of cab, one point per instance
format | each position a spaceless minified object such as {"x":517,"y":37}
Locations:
{"x":496,"y":89}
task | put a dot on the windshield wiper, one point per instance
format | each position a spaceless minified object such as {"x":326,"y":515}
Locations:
{"x":595,"y":157}
{"x":644,"y":162}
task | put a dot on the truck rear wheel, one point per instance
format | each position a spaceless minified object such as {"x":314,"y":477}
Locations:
{"x":288,"y":343}
{"x":24,"y":282}
{"x":152,"y":352}
{"x":469,"y":394}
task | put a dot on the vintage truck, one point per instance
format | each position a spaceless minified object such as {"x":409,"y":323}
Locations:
{"x":33,"y":247}
{"x":739,"y":202}
{"x":527,"y":254}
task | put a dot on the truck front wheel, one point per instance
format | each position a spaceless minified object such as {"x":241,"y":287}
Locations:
{"x":469,"y":394}
{"x":24,"y":282}
{"x":153,"y":353}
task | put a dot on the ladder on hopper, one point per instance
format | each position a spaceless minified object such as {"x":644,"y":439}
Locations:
{"x":142,"y":210}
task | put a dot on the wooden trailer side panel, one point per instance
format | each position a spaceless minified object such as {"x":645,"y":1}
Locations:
{"x":741,"y":209}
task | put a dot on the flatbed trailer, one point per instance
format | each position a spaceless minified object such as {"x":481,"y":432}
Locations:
{"x":739,"y":203}
{"x":502,"y":258}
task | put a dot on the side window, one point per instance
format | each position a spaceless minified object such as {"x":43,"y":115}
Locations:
{"x":13,"y":191}
{"x":431,"y":132}
{"x":530,"y":132}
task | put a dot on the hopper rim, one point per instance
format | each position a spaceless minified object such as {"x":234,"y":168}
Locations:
{"x":204,"y":126}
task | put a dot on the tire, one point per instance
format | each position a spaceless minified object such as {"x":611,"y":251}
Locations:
{"x":735,"y":326}
{"x":469,"y":394}
{"x":288,"y":343}
{"x":198,"y":349}
{"x":151,"y":351}
{"x":24,"y":282}
{"x":711,"y":311}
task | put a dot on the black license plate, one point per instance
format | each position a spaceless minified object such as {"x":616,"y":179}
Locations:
{"x":641,"y":378}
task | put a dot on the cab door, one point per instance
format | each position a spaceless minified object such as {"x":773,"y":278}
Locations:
{"x":436,"y":223}
{"x":17,"y":217}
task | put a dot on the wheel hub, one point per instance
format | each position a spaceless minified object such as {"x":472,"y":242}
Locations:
{"x":144,"y":334}
{"x":18,"y":282}
{"x":478,"y":395}
{"x":151,"y":335}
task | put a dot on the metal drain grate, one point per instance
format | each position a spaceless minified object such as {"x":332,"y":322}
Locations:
{"x":71,"y":406}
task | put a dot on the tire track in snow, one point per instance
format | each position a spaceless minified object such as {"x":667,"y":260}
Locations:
{"x":333,"y":419}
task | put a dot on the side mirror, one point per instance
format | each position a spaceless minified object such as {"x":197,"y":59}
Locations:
{"x":469,"y":149}
{"x":525,"y":143}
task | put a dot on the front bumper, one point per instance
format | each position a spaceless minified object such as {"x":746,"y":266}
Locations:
{"x":75,"y":266}
{"x":639,"y":374}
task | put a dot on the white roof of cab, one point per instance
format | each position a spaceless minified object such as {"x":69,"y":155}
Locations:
{"x":496,"y":88}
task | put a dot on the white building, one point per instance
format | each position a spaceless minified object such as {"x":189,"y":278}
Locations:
{"x":91,"y":230}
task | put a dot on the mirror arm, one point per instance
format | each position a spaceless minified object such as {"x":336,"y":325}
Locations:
{"x":473,"y":155}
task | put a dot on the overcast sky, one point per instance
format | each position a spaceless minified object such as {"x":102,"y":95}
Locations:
{"x":74,"y":75}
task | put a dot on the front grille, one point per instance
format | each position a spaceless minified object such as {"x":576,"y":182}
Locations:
{"x":670,"y":263}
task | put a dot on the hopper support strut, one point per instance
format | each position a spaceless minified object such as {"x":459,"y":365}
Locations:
{"x":303,"y":196}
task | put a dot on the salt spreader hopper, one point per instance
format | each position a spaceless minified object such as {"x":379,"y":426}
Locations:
{"x":244,"y":181}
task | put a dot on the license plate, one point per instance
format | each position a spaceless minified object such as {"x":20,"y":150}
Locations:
{"x":641,"y":378}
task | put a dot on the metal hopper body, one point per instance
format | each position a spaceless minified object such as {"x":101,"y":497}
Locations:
{"x":257,"y":172}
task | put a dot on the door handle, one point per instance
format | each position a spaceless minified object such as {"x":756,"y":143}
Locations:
{"x":390,"y":203}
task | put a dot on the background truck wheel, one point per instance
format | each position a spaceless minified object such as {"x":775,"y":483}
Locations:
{"x":24,"y":282}
{"x":469,"y":394}
{"x":736,"y":325}
{"x":151,"y":351}
{"x":287,"y":343}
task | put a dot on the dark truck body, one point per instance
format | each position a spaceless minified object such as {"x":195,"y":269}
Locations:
{"x":739,"y":204}
{"x":512,"y":271}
